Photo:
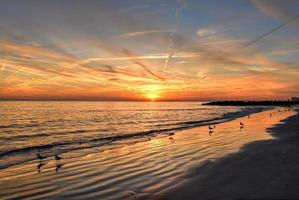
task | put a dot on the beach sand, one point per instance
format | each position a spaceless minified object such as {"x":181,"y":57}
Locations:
{"x":261,"y":170}
{"x":193,"y":164}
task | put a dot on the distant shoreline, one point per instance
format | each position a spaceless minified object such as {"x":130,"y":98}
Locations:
{"x":203,"y":102}
{"x":252,"y":103}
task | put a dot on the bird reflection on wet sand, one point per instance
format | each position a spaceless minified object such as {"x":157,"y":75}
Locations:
{"x":58,"y":166}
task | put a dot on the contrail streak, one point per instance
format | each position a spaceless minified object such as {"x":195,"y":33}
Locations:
{"x":132,"y":57}
{"x":182,"y":4}
{"x":132,"y":34}
{"x":12,"y":74}
{"x":129,"y":53}
{"x":270,"y":32}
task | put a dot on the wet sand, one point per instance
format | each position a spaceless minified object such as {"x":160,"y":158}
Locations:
{"x":193,"y":164}
{"x":261,"y":170}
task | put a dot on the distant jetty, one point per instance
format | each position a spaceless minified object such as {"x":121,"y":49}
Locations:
{"x":252,"y":103}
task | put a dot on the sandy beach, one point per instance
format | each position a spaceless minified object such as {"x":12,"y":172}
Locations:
{"x":261,"y":170}
{"x":227,"y":163}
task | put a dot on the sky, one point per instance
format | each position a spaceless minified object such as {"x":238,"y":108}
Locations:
{"x":158,"y":50}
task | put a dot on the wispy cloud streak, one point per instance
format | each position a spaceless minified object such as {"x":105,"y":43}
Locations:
{"x":272,"y":31}
{"x":182,"y":4}
{"x":130,"y":53}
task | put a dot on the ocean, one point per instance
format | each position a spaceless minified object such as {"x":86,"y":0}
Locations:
{"x":83,"y":127}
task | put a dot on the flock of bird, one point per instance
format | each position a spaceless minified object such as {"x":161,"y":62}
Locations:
{"x":41,"y":163}
{"x":212,"y":128}
{"x":242,"y":124}
{"x":58,"y":158}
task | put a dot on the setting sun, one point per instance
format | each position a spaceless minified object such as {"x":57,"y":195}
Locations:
{"x":151,"y":92}
{"x":152,"y":96}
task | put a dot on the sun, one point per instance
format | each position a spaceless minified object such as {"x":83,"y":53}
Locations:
{"x":151,"y":92}
{"x":152,"y":96}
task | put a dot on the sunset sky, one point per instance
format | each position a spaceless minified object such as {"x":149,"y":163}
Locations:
{"x":149,"y":49}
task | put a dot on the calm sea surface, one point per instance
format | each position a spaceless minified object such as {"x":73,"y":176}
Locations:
{"x":27,"y":128}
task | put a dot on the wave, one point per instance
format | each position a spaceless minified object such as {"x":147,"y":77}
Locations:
{"x":225,"y":117}
{"x":153,"y":109}
{"x":20,"y":125}
{"x":17,"y":137}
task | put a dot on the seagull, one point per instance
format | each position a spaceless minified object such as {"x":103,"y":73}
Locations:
{"x":242,"y":124}
{"x":170,"y":135}
{"x":210,"y":133}
{"x":58,"y":158}
{"x":211,"y":128}
{"x":40,"y":157}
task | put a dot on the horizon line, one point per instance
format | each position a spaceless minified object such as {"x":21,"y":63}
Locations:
{"x":141,"y":100}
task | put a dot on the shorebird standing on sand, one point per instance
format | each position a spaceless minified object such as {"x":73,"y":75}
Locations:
{"x":170,"y":136}
{"x":242,"y":125}
{"x":58,"y":158}
{"x":40,"y":157}
{"x":211,"y":129}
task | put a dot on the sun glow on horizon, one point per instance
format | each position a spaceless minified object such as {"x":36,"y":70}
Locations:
{"x":151,"y":92}
{"x":152,"y":96}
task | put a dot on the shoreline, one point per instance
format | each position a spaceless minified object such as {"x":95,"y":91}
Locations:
{"x":109,"y":141}
{"x":266,"y":169}
{"x":143,"y":170}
